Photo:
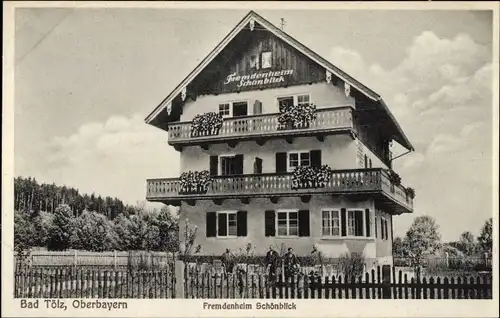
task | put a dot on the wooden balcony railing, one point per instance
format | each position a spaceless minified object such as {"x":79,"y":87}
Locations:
{"x":272,"y":184}
{"x":327,"y":120}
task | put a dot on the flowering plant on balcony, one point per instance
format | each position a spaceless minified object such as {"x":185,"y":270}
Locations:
{"x":410,"y":192}
{"x":305,"y":177}
{"x":394,"y":178}
{"x":206,"y":124}
{"x":296,"y":116}
{"x":195,"y":182}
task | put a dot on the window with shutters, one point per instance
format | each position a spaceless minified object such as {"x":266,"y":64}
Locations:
{"x":287,"y":223}
{"x":298,"y":158}
{"x":330,"y":223}
{"x":227,"y":224}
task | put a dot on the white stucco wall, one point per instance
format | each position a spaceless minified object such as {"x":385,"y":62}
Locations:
{"x":324,"y":95}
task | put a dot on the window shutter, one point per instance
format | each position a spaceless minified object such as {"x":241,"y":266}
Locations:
{"x":367,"y":222}
{"x":386,"y":230}
{"x":240,"y":109}
{"x":257,"y":107}
{"x":257,"y":165}
{"x":280,"y":162}
{"x":304,"y":223}
{"x":343,"y":219}
{"x":222,"y":224}
{"x":376,"y":227}
{"x":270,"y":223}
{"x":238,"y":164}
{"x":366,"y":162}
{"x":241,"y":223}
{"x":358,"y":221}
{"x":211,"y":223}
{"x":214,"y":164}
{"x":315,"y":158}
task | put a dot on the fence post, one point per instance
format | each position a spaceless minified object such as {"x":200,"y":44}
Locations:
{"x":179,"y":279}
{"x":75,"y":261}
{"x":386,"y":281}
{"x":114,"y":259}
{"x":447,"y":257}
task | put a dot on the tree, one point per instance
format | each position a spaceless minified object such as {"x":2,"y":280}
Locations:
{"x":399,"y":248}
{"x":60,"y":232}
{"x":93,"y":232}
{"x":422,"y":239}
{"x":467,"y":243}
{"x":485,"y":238}
{"x":42,"y":225}
{"x":24,"y":235}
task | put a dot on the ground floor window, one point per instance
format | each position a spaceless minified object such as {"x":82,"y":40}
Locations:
{"x":330,"y":223}
{"x":287,"y":223}
{"x":226,"y":224}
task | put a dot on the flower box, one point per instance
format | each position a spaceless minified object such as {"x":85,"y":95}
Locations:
{"x":305,"y":177}
{"x":208,"y":124}
{"x":296,"y":116}
{"x":196,"y":182}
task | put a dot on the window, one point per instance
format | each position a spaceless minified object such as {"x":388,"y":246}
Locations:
{"x":233,"y":109}
{"x":288,"y":223}
{"x":299,"y":158}
{"x":227,"y":165}
{"x":303,"y":99}
{"x":227,"y":224}
{"x":254,"y":62}
{"x":355,"y":222}
{"x":225,"y":110}
{"x":330,"y":223}
{"x":300,"y":99}
{"x":267,"y":59}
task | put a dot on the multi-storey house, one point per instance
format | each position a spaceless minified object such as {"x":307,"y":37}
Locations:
{"x":283,"y":148}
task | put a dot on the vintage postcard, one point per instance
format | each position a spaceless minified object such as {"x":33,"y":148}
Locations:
{"x":250,"y":159}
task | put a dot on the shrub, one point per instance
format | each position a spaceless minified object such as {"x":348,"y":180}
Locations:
{"x":352,"y":265}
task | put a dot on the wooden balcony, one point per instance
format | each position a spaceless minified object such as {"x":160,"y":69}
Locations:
{"x":361,"y":183}
{"x":263,"y":127}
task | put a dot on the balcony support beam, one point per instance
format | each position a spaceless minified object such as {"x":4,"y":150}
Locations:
{"x":178,"y":148}
{"x":289,"y":140}
{"x":320,"y":138}
{"x":232,"y":144}
{"x":191,"y":202}
{"x":274,"y":200}
{"x":305,"y":198}
{"x":261,"y":141}
{"x":245,"y":200}
{"x":205,"y":146}
{"x":218,"y":201}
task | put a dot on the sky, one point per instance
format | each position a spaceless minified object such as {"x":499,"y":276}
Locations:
{"x":85,"y":79}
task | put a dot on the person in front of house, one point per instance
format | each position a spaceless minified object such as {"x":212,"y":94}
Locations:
{"x":291,"y":263}
{"x":228,"y":260}
{"x":272,"y":263}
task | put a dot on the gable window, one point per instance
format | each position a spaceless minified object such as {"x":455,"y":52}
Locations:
{"x":299,"y":99}
{"x":355,"y":221}
{"x":330,"y":223}
{"x":233,"y":109}
{"x":254,"y":62}
{"x":266,"y":58}
{"x":287,"y":223}
{"x":298,"y":158}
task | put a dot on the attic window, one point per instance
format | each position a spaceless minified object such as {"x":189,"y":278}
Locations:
{"x":266,"y":59}
{"x":254,"y":62}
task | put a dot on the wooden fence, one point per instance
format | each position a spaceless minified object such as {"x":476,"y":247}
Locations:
{"x":377,"y":284}
{"x":68,"y":282}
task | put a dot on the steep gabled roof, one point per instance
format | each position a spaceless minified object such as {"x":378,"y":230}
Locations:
{"x":294,"y":43}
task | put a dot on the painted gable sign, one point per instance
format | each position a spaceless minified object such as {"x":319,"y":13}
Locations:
{"x":263,"y":62}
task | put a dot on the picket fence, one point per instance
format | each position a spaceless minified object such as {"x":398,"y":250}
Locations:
{"x":382,"y":283}
{"x":71,"y":282}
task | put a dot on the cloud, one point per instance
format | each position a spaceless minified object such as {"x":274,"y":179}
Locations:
{"x":111,"y":158}
{"x":441,"y":94}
